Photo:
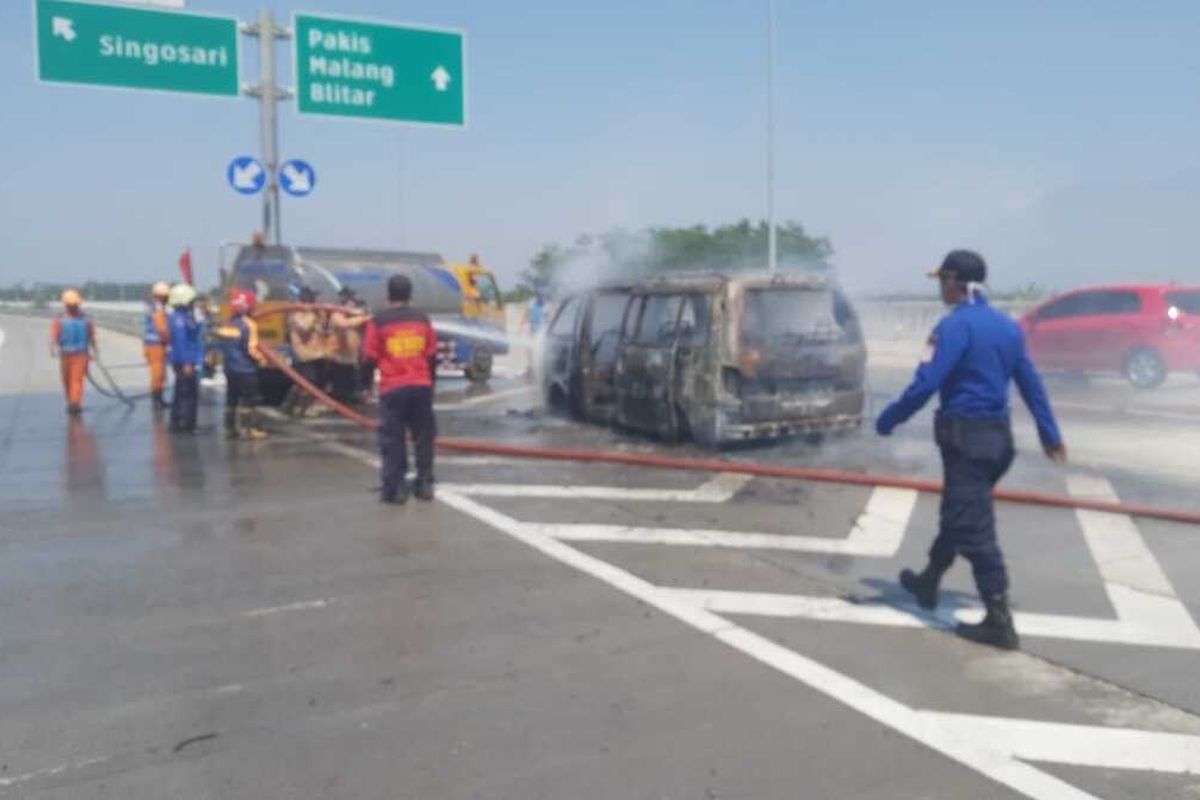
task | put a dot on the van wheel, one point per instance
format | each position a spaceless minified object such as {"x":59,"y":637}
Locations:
{"x":1145,"y":368}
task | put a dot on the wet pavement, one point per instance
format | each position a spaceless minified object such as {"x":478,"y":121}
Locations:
{"x":189,"y":617}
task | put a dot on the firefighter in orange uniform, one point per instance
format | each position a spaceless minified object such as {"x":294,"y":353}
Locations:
{"x":72,"y":341}
{"x":155,"y":339}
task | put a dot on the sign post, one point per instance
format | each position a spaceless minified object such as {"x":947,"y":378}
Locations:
{"x":268,"y":95}
{"x":378,"y":71}
{"x":136,"y":48}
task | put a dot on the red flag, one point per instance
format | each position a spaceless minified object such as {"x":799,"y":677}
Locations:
{"x":185,"y":266}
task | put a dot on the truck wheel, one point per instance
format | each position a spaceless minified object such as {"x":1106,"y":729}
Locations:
{"x":1145,"y":368}
{"x":480,"y":370}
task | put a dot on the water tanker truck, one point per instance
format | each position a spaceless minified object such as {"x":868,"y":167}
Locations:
{"x":462,"y":300}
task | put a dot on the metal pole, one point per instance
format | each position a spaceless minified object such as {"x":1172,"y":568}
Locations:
{"x":400,"y":190}
{"x":772,"y":250}
{"x":269,"y":122}
{"x":268,"y":95}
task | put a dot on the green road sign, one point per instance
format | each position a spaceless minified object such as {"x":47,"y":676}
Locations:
{"x":377,"y":71}
{"x":135,"y":48}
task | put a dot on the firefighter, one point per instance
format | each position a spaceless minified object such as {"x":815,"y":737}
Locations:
{"x":305,"y":331}
{"x":345,"y":348}
{"x":238,"y":341}
{"x":155,"y":338}
{"x":186,"y":356}
{"x":72,"y":339}
{"x":973,"y":354}
{"x":401,"y":341}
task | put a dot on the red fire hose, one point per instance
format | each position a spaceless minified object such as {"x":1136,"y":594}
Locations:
{"x":819,"y":475}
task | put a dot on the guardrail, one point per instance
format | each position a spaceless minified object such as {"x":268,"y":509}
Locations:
{"x":914,"y":319}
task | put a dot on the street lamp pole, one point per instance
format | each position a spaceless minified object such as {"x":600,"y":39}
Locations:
{"x":772,"y":244}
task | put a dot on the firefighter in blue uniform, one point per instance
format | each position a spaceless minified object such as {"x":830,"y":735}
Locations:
{"x":974,"y":352}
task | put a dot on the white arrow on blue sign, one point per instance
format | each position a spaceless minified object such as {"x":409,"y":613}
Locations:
{"x":246,"y":175}
{"x":297,"y":177}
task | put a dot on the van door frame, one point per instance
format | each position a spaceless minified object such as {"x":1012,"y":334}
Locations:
{"x":650,"y":413}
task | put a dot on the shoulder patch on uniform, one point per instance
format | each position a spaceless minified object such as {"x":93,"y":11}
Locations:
{"x":930,"y":348}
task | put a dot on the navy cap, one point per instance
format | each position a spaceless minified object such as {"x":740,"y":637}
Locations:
{"x":965,"y":265}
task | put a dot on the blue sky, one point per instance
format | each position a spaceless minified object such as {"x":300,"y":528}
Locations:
{"x":1060,"y":138}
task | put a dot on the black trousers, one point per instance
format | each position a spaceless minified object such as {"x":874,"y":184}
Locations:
{"x":403,"y":411}
{"x":241,"y":392}
{"x":975,"y":456}
{"x":185,"y":402}
{"x":343,"y":381}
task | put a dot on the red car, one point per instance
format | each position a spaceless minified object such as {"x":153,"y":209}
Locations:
{"x":1142,"y":332}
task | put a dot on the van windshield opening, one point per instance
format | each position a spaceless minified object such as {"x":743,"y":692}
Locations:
{"x":773,"y":316}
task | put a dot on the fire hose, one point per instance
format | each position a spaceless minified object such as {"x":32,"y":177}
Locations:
{"x":681,"y":463}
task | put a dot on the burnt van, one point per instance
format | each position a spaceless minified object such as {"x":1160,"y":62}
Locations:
{"x":715,"y":358}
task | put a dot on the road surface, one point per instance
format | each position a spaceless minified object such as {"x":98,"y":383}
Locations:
{"x":189,"y":617}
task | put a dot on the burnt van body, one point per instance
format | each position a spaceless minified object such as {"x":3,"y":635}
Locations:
{"x":716,"y":358}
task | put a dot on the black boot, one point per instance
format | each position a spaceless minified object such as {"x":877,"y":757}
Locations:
{"x":156,"y":400}
{"x":424,"y":489}
{"x":923,"y":586}
{"x":996,"y":629}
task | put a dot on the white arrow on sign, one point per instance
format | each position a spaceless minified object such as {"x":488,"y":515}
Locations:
{"x":64,"y":27}
{"x":246,"y":177}
{"x":298,"y":180}
{"x":440,"y":78}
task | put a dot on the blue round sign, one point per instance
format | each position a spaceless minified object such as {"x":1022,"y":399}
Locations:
{"x":246,"y":175}
{"x":297,"y":177}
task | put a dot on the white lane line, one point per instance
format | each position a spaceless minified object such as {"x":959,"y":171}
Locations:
{"x":1139,"y":590}
{"x":877,"y":532}
{"x":721,"y":489}
{"x":482,"y":399}
{"x":1079,"y":745}
{"x":978,"y":755}
{"x":1173,"y":416}
{"x":50,"y":772}
{"x":902,"y":615}
{"x":301,"y":606}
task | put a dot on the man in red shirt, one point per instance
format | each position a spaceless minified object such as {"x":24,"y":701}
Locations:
{"x":402,"y":342}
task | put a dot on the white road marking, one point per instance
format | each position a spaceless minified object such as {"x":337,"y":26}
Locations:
{"x":721,"y":489}
{"x":990,"y":761}
{"x":878,"y":531}
{"x":905,"y":615}
{"x":1079,"y":745}
{"x":301,"y":606}
{"x":1173,"y":416}
{"x":990,"y":746}
{"x":50,"y":772}
{"x":491,"y":397}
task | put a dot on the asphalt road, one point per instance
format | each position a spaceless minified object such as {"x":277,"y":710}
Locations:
{"x":188,"y":617}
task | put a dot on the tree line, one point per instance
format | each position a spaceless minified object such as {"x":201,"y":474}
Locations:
{"x":620,"y":254}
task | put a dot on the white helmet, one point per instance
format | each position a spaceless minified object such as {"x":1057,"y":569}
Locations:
{"x":181,"y":294}
{"x":160,"y":289}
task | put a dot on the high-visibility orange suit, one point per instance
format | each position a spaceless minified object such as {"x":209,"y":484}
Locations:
{"x":155,"y":340}
{"x":72,"y":338}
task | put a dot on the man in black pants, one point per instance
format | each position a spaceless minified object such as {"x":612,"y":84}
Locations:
{"x":402,"y":342}
{"x":975,"y":352}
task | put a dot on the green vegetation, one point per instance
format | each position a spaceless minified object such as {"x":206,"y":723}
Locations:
{"x":42,"y":293}
{"x":624,"y":254}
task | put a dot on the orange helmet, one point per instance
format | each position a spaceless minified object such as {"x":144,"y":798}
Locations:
{"x":71,"y":299}
{"x":242,"y":300}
